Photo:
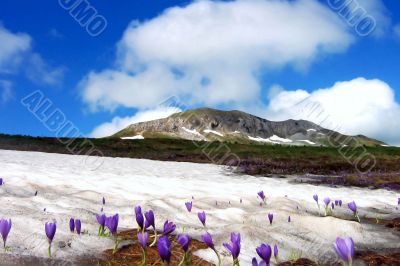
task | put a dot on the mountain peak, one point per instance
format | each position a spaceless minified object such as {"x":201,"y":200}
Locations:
{"x":207,"y":124}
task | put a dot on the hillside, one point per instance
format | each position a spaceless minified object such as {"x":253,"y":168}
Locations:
{"x":207,"y":124}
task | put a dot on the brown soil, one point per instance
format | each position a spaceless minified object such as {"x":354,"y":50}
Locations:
{"x":374,"y":259}
{"x":299,"y":262}
{"x":132,"y":254}
{"x":393,"y":224}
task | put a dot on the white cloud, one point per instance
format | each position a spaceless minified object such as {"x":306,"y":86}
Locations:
{"x":54,"y":33}
{"x":16,"y":51}
{"x":359,"y":106}
{"x":119,"y":123}
{"x":396,"y":30}
{"x":378,"y":11}
{"x":211,"y":52}
{"x":39,"y":71}
{"x":6,"y":93}
{"x":13,"y":46}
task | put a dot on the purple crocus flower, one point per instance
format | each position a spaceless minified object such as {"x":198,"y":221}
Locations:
{"x":276,"y":252}
{"x":189,"y":206}
{"x":327,"y":201}
{"x":143,"y":239}
{"x":255,"y":263}
{"x":72,"y":224}
{"x":202,"y":217}
{"x":78,"y":226}
{"x":150,"y":221}
{"x":353,"y":207}
{"x":1,"y":181}
{"x":112,"y":223}
{"x":234,"y":246}
{"x":340,"y":203}
{"x":398,"y":201}
{"x":265,"y":252}
{"x":270,"y":217}
{"x":336,"y":202}
{"x":261,"y":195}
{"x":344,"y":247}
{"x":333,"y":206}
{"x":139,"y":217}
{"x":101,"y":219}
{"x":289,"y":219}
{"x":104,"y":201}
{"x":315,"y":197}
{"x":5,"y":227}
{"x":50,"y":229}
{"x":164,"y":249}
{"x":169,"y":227}
{"x":184,"y":241}
{"x":207,"y":239}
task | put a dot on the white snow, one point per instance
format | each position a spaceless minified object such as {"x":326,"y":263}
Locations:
{"x":383,"y":145}
{"x":192,"y":131}
{"x":259,"y":139}
{"x":134,"y":137}
{"x":276,"y":138}
{"x":311,"y":129}
{"x":273,"y":139}
{"x":67,"y":188}
{"x":307,"y":141}
{"x":214,"y":132}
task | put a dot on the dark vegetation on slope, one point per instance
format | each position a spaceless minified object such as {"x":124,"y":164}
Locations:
{"x":253,"y":159}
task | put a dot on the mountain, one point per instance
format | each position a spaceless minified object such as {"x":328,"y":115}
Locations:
{"x":206,"y":124}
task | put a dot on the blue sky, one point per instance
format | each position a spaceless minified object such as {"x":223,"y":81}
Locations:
{"x":229,"y":55}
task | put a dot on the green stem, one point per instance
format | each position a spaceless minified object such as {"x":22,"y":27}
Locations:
{"x":49,"y":250}
{"x":219,"y":258}
{"x":357,"y":217}
{"x":144,"y":258}
{"x":155,"y":238}
{"x":187,"y":259}
{"x":116,"y":245}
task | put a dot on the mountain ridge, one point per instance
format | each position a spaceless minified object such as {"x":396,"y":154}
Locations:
{"x":207,"y":124}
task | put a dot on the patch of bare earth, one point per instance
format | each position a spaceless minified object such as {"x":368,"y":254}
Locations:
{"x":131,"y":254}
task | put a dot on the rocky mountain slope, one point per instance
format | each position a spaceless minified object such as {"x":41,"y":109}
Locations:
{"x":207,"y":124}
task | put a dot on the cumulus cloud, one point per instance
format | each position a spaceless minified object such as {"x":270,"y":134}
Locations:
{"x":211,"y":52}
{"x":40,"y":72}
{"x":5,"y":91}
{"x":359,"y":106}
{"x":13,"y":46}
{"x":396,"y":30}
{"x":378,"y":11}
{"x":119,"y":123}
{"x":16,"y":50}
